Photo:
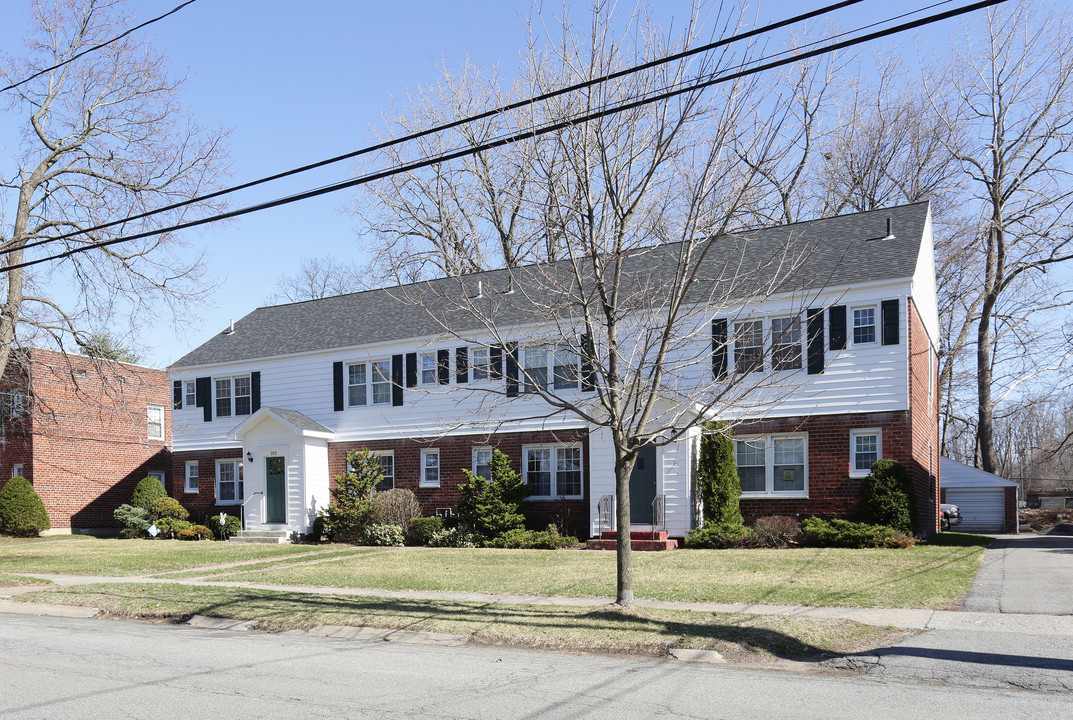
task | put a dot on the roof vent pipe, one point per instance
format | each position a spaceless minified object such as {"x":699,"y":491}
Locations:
{"x":510,"y":285}
{"x":231,"y":329}
{"x":480,"y":292}
{"x":890,"y":229}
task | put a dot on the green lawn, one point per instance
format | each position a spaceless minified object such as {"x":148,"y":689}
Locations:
{"x":121,"y":558}
{"x":600,"y":629}
{"x":926,"y":576}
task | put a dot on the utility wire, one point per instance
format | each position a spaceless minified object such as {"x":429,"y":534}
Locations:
{"x":453,"y":124}
{"x":97,"y":47}
{"x":499,"y":142}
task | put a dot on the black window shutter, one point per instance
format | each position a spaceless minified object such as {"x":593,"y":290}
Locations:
{"x":889,"y":312}
{"x":495,"y":356}
{"x":512,"y":369}
{"x":396,"y":380}
{"x":461,"y":365}
{"x":837,"y":318}
{"x":177,"y":395}
{"x":814,"y":343}
{"x":443,"y":367}
{"x":588,"y":377}
{"x":203,"y":396}
{"x":411,"y":370}
{"x":255,"y":391}
{"x":719,"y":348}
{"x":337,"y":385}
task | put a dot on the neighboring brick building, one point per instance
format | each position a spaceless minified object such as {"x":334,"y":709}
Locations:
{"x":84,"y":432}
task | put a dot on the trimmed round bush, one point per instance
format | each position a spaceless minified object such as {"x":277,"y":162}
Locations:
{"x":148,"y":490}
{"x":456,"y":537}
{"x":522,"y":539}
{"x":169,"y":508}
{"x":383,"y":535}
{"x":421,"y":530}
{"x":846,"y":534}
{"x":230,"y":526}
{"x":717,"y":535}
{"x":195,"y":532}
{"x":21,"y":511}
{"x":395,"y":507}
{"x":169,"y":528}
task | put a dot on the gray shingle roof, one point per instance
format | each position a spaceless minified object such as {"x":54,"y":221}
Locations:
{"x":839,"y":251}
{"x":299,"y":420}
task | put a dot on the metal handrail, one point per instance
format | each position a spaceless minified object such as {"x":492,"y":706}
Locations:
{"x":605,"y":509}
{"x":243,"y":507}
{"x":659,"y":514}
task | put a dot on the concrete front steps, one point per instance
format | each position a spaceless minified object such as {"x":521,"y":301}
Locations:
{"x":639,"y":540}
{"x":260,"y":536}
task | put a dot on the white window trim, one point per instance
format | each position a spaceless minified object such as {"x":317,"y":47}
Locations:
{"x":769,"y":465}
{"x":471,"y":359}
{"x":158,"y":474}
{"x":238,"y":481}
{"x":850,"y":322}
{"x":233,"y":397}
{"x":370,"y":374}
{"x":149,"y":424}
{"x":191,"y":465}
{"x":550,"y":350}
{"x":853,"y":472}
{"x":769,"y":334}
{"x":554,"y":473}
{"x":390,"y":454}
{"x":477,"y":449}
{"x":18,"y":469}
{"x":425,"y":452}
{"x":434,"y":368}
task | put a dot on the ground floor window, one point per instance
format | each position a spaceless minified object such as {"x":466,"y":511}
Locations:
{"x":387,"y":466}
{"x":773,"y":465}
{"x":430,"y":467}
{"x":482,"y":462}
{"x":229,"y":481}
{"x":191,"y":476}
{"x":865,"y":447}
{"x":553,"y":470}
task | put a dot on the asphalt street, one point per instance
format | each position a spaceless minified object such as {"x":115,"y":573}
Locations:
{"x":1013,"y":631}
{"x":99,"y":669}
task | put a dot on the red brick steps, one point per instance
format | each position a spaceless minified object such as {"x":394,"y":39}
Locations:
{"x":639,"y":540}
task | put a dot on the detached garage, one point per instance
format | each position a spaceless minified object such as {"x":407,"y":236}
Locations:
{"x":988,"y":503}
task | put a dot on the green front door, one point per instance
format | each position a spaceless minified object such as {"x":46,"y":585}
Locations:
{"x":643,"y":487}
{"x":275,"y":490}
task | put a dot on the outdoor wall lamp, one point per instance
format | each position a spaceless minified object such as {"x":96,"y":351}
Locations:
{"x":249,"y":457}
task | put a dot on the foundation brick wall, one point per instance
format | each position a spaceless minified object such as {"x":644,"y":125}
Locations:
{"x":924,"y":421}
{"x":84,"y":444}
{"x":203,"y":502}
{"x":456,"y":453}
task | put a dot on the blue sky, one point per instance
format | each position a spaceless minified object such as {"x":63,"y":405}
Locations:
{"x":297,"y":82}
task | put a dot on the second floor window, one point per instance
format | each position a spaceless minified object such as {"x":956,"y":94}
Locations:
{"x":155,"y":422}
{"x":479,"y":365}
{"x":748,"y":346}
{"x":189,"y":393}
{"x":233,"y":396}
{"x":535,"y":367}
{"x":786,"y":343}
{"x":428,"y":368}
{"x":369,"y":383}
{"x":543,"y":363}
{"x":864,"y":326}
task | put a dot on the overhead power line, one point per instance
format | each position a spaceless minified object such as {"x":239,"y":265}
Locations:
{"x":516,"y":137}
{"x":97,"y":47}
{"x":454,"y":123}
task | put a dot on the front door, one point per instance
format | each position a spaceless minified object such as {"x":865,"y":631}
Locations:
{"x":275,"y":490}
{"x":643,"y":487}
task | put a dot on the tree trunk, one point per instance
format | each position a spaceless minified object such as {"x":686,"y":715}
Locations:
{"x":623,"y":469}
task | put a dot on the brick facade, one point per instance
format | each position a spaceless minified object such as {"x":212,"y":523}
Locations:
{"x":203,"y":502}
{"x":923,"y":461}
{"x":84,"y":441}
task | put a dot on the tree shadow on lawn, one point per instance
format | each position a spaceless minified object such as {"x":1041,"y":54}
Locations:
{"x":635,"y":630}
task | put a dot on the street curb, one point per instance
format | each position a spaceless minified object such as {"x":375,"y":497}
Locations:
{"x":212,"y":623}
{"x":698,"y":656}
{"x":67,"y":611}
{"x":347,"y":632}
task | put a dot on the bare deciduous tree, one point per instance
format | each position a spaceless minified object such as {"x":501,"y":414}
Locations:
{"x":318,"y":278}
{"x":634,"y":207}
{"x":1010,"y":100}
{"x":105,"y":137}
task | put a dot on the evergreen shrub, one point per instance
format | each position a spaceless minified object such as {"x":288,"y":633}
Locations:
{"x":717,"y":476}
{"x":195,"y":532}
{"x":22,"y":513}
{"x":888,"y":497}
{"x":493,"y":507}
{"x":133,"y":521}
{"x":230,"y":526}
{"x":383,"y":535}
{"x":422,"y":529}
{"x":521,"y":539}
{"x":846,"y":534}
{"x":351,"y":506}
{"x":148,"y":490}
{"x":719,"y":536}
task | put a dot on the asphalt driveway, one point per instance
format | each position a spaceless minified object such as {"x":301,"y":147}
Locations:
{"x":1030,"y":574}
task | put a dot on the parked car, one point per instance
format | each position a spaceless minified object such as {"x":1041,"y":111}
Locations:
{"x":949,"y":516}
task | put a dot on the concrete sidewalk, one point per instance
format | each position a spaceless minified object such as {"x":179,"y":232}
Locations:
{"x":914,"y":619}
